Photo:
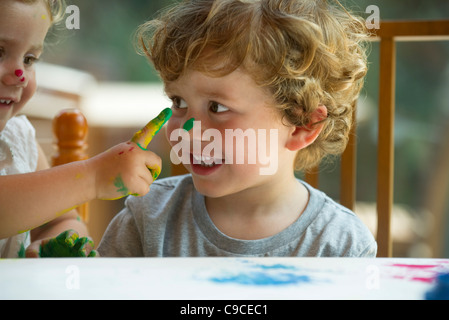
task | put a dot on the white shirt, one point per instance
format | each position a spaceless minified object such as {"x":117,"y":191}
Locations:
{"x":18,"y":154}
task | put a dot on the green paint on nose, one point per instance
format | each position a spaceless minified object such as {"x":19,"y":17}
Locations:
{"x":189,"y":124}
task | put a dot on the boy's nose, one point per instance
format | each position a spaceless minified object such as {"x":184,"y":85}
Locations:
{"x":197,"y":116}
{"x":194,"y":124}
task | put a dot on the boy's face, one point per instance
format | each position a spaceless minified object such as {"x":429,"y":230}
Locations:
{"x":23,"y":28}
{"x":242,"y":121}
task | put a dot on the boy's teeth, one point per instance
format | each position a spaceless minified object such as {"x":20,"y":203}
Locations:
{"x":204,"y":160}
{"x":5,"y":101}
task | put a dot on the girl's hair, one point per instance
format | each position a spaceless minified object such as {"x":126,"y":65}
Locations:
{"x":56,"y":8}
{"x":305,"y":52}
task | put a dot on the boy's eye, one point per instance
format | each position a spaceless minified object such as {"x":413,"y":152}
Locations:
{"x":178,"y":103}
{"x":215,"y":107}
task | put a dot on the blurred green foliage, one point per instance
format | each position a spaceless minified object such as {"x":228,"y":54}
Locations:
{"x":104,"y":44}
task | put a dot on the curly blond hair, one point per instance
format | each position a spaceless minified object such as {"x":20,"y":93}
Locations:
{"x":306,"y":52}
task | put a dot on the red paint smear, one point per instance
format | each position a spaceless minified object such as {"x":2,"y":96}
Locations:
{"x":411,"y":267}
{"x":121,"y":153}
{"x":18,"y":72}
{"x":426,"y":280}
{"x":132,"y":148}
{"x":415,"y":266}
{"x":420,"y":279}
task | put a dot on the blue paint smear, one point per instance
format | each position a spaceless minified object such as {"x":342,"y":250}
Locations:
{"x":263,"y":279}
{"x":275,"y":266}
{"x":258,"y":274}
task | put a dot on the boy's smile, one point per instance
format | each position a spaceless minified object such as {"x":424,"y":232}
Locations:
{"x":204,"y":165}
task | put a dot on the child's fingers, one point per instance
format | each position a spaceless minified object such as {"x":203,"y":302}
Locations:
{"x":154,"y":164}
{"x":67,"y":238}
{"x":33,"y":249}
{"x":147,"y":178}
{"x":93,"y":254}
{"x":155,"y":171}
{"x":83,"y":247}
{"x":67,"y":244}
{"x":143,"y":137}
{"x":61,"y":246}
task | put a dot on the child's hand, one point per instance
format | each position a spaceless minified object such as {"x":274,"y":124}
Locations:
{"x":129,"y":168}
{"x":66,"y":245}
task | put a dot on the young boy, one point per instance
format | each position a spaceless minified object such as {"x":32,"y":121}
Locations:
{"x":290,"y":68}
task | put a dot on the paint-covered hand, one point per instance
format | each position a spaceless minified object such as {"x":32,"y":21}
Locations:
{"x":129,"y":168}
{"x":67,"y":245}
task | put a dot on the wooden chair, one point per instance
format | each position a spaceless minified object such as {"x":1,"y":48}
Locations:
{"x":388,"y":34}
{"x":70,"y":131}
{"x":54,"y":111}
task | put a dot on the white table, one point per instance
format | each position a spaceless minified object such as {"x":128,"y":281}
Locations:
{"x":218,"y":278}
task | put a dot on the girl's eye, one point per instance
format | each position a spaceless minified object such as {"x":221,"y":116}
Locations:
{"x":215,"y":107}
{"x":178,"y":103}
{"x":30,"y":60}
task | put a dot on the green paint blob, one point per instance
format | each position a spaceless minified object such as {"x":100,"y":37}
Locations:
{"x":21,"y":252}
{"x":189,"y":124}
{"x":69,"y":245}
{"x":121,"y":188}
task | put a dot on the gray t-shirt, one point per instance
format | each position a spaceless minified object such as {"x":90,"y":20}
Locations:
{"x":172,"y":221}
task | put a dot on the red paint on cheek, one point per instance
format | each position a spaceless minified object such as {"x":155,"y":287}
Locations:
{"x":132,"y":148}
{"x":121,"y":153}
{"x":22,"y":80}
{"x":18,"y":72}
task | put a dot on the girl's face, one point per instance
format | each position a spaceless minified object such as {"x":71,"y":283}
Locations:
{"x":23,"y":28}
{"x":240,"y":117}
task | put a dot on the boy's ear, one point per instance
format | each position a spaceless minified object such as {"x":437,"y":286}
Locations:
{"x":301,"y":137}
